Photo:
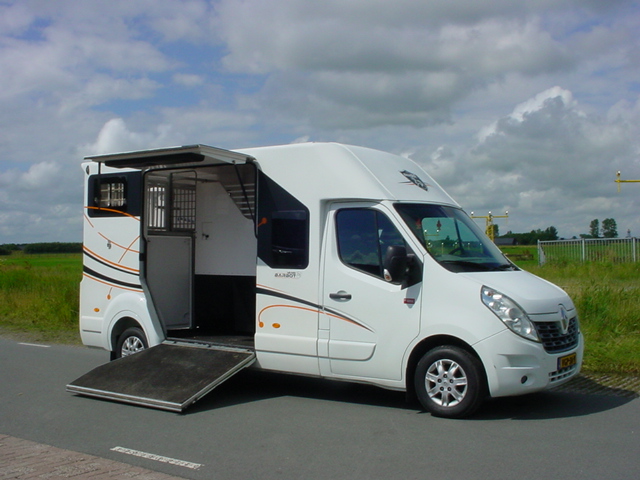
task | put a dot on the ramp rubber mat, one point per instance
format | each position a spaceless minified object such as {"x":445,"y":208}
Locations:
{"x":167,"y":376}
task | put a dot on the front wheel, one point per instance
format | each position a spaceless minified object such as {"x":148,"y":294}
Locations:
{"x":450,"y":382}
{"x":132,"y":340}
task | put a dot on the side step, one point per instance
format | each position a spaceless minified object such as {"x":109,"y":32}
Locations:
{"x":170,"y":376}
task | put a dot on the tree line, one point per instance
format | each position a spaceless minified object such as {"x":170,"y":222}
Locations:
{"x":52,"y":247}
{"x":609,"y":229}
{"x":531,"y":238}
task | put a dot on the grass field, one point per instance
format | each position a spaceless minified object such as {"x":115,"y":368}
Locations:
{"x":39,"y":296}
{"x":39,"y":299}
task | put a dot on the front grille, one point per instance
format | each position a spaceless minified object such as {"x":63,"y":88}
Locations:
{"x":553,"y":340}
{"x":562,"y":373}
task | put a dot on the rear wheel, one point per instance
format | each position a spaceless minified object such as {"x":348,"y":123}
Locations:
{"x":132,"y":340}
{"x":450,"y":382}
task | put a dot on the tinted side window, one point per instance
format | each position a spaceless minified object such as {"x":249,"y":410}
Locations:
{"x":111,"y":194}
{"x":363,"y":236}
{"x":283,"y":226}
{"x":289,"y":238}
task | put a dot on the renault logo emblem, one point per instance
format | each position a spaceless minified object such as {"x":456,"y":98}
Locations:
{"x":564,"y":320}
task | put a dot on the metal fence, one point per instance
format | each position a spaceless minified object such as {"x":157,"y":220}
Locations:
{"x":617,"y":250}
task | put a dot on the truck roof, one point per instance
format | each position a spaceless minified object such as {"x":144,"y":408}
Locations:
{"x":309,"y":171}
{"x":334,"y":170}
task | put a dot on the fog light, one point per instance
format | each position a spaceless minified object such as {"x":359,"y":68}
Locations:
{"x":523,"y":380}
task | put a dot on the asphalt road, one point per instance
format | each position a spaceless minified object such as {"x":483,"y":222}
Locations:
{"x":264,"y":426}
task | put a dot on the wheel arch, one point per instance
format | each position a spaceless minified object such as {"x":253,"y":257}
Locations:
{"x":120,"y":326}
{"x":129,"y":310}
{"x":428,"y":344}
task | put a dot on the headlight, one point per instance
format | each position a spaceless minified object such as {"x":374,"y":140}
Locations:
{"x":510,"y":313}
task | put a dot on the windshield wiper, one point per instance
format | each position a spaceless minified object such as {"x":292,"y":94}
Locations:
{"x":504,"y":267}
{"x":474,"y":266}
{"x":465,"y":265}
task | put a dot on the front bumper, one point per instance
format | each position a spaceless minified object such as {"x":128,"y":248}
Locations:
{"x":516,"y":366}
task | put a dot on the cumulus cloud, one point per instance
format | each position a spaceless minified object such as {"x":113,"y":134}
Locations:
{"x":40,"y":204}
{"x":51,"y":52}
{"x":115,"y":136}
{"x":101,"y":89}
{"x":526,"y":106}
{"x":547,"y":161}
{"x":15,"y":19}
{"x":535,"y":104}
{"x":189,"y":79}
{"x":374,"y":36}
{"x":401,"y":66}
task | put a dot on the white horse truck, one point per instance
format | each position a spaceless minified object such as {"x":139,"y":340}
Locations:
{"x":323,"y":260}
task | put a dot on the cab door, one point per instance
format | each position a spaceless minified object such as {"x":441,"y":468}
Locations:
{"x":367,"y":323}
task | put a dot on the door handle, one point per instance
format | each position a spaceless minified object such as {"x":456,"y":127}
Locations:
{"x":341,"y":295}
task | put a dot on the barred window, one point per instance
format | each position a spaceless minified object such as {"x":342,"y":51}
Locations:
{"x":113,"y":194}
{"x":171,"y":202}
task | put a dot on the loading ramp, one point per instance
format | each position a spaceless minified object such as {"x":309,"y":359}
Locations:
{"x":170,"y":376}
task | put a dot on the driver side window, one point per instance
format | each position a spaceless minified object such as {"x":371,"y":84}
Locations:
{"x":363,"y":236}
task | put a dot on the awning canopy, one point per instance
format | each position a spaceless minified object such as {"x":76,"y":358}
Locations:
{"x":185,"y":155}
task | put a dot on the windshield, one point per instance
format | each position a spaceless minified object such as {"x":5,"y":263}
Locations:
{"x":452,"y":238}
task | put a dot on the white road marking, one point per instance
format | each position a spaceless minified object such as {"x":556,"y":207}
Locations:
{"x":158,"y":458}
{"x":34,"y":345}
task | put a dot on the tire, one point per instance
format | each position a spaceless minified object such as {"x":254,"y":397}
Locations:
{"x":450,"y":382}
{"x":131,"y":341}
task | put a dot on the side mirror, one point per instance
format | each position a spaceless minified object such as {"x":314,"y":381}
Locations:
{"x":401,"y":267}
{"x":395,"y":263}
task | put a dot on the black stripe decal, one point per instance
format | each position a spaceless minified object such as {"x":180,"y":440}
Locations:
{"x":96,"y":259}
{"x":95,"y":274}
{"x":284,"y":296}
{"x":264,"y":291}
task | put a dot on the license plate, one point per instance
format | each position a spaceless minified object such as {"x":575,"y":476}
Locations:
{"x":567,"y":361}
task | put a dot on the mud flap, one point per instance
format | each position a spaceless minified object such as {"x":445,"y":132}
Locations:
{"x":169,"y":376}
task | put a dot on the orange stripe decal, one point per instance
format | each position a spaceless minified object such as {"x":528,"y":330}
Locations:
{"x":277,"y":325}
{"x":114,"y":211}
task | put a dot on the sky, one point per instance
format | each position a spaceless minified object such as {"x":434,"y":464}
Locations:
{"x":526,"y":107}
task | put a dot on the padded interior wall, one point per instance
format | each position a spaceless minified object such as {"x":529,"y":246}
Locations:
{"x":225,"y":304}
{"x":225,"y":239}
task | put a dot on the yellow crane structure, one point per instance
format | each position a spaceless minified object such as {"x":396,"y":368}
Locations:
{"x":489,"y":230}
{"x":619,"y":181}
